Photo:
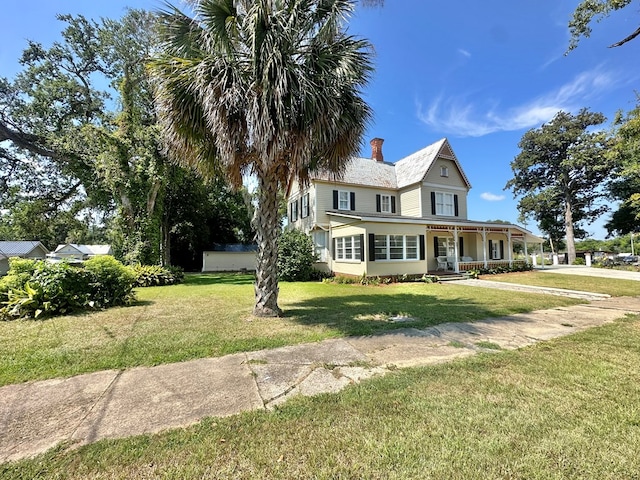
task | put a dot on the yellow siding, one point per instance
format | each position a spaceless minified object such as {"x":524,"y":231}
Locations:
{"x":410,"y":201}
{"x":453,"y":180}
{"x":365,"y":199}
{"x":426,"y":202}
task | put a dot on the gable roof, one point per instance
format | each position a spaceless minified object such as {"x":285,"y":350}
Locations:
{"x":407,"y":171}
{"x":87,"y":249}
{"x":17,"y":248}
{"x":415,"y":167}
{"x":363,"y":171}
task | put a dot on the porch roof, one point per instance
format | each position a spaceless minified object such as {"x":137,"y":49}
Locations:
{"x":441,"y":225}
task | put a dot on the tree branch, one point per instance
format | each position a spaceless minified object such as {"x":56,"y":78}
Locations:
{"x":627,"y":39}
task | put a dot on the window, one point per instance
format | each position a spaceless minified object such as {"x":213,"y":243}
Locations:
{"x":385,"y":203}
{"x":343,"y":200}
{"x":445,"y":204}
{"x":496,"y":249}
{"x":444,"y":171}
{"x":444,"y":247}
{"x":320,"y":243}
{"x":349,"y":248}
{"x":294,"y":210}
{"x":396,"y":247}
{"x":305,"y":206}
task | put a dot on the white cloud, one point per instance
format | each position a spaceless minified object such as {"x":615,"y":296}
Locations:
{"x":464,"y":52}
{"x":456,"y":116}
{"x":491,"y":197}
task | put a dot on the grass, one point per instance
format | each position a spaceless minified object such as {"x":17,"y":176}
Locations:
{"x":563,"y":409}
{"x":210,"y":316}
{"x":615,"y":288}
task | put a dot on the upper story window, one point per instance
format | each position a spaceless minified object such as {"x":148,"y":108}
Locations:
{"x":305,"y":206}
{"x":344,"y":200}
{"x":385,"y":203}
{"x":294,"y":210}
{"x":444,"y":171}
{"x":445,"y":204}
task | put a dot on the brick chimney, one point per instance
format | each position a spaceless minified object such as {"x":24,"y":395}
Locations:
{"x":376,"y":149}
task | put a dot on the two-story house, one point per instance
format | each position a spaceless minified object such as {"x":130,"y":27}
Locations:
{"x":381,"y":218}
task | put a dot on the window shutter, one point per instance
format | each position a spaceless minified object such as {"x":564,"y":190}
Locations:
{"x":333,"y":254}
{"x":299,"y":202}
{"x":352,"y":197}
{"x":422,"y":246}
{"x":393,"y":204}
{"x":491,"y":249}
{"x":433,"y":203}
{"x":372,"y":247}
{"x":460,"y":247}
{"x":335,"y":199}
{"x":501,"y":249}
{"x":290,"y":212}
{"x":455,"y":205}
{"x":378,"y":207}
{"x":361,"y":247}
{"x":435,"y":246}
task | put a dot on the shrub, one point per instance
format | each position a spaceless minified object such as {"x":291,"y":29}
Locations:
{"x":112,"y":282}
{"x":296,"y":256}
{"x":579,"y":261}
{"x":61,"y":288}
{"x":516,"y":267}
{"x":154,"y":275}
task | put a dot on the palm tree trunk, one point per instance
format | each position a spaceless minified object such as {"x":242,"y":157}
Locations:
{"x":267,"y":227}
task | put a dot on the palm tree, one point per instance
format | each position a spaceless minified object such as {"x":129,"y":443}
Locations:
{"x":270,"y":88}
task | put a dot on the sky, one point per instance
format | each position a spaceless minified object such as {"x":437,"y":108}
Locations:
{"x":479,"y":73}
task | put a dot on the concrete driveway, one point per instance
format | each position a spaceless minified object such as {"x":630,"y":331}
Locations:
{"x":590,"y":272}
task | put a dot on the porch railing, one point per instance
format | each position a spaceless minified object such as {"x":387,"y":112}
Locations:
{"x":477,"y":265}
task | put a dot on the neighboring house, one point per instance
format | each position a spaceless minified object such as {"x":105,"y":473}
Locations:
{"x":73,"y":251}
{"x":233,"y":257}
{"x":23,"y":249}
{"x":410,"y":217}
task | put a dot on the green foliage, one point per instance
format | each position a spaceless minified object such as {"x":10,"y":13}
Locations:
{"x":516,"y":267}
{"x":579,"y":261}
{"x":558,"y":174}
{"x":34,"y":288}
{"x":154,"y":275}
{"x":296,"y":256}
{"x":595,"y":10}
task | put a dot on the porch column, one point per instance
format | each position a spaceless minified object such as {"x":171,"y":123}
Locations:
{"x":484,"y":247}
{"x":510,"y":248}
{"x":542,"y":254}
{"x":456,"y":267}
{"x":526,"y":252}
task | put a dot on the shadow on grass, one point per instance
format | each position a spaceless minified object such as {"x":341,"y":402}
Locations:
{"x":219,"y":279}
{"x":370,"y":314}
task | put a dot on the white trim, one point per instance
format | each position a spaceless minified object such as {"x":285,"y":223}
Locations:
{"x":445,"y":187}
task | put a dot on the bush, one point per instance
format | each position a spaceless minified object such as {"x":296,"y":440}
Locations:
{"x":579,"y":261}
{"x":296,"y":256}
{"x":112,"y":282}
{"x":516,"y":267}
{"x":154,"y":275}
{"x":61,"y":288}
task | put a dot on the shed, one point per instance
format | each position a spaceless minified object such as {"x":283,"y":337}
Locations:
{"x":230,"y":258}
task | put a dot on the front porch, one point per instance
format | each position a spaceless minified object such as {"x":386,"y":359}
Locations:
{"x":465,"y":266}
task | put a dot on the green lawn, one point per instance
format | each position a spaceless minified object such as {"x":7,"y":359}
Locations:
{"x":615,"y":288}
{"x":563,"y":409}
{"x":210,"y":315}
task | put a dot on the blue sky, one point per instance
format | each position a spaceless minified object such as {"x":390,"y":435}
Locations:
{"x":479,"y":73}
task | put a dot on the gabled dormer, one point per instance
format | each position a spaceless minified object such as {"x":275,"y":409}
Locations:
{"x":432,"y":184}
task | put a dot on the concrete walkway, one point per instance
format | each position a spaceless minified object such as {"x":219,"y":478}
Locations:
{"x":37,"y":416}
{"x":590,"y":272}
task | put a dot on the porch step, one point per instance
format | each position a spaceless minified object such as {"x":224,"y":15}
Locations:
{"x":453,"y":277}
